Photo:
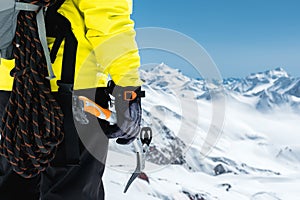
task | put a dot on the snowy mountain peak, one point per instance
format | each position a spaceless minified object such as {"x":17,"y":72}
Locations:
{"x":269,"y":89}
{"x":269,"y":74}
{"x":164,"y":77}
{"x":163,"y":69}
{"x":277,"y":73}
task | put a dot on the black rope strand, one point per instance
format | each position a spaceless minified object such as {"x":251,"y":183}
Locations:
{"x":31,"y":127}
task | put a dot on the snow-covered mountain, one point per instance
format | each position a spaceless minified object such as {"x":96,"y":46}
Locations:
{"x":257,"y":156}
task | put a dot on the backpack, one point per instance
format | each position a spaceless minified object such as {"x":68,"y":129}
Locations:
{"x":8,"y":18}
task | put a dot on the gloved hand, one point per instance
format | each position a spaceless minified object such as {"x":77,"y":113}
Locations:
{"x":129,"y":113}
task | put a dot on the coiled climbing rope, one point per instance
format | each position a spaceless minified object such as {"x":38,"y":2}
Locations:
{"x":32,"y":124}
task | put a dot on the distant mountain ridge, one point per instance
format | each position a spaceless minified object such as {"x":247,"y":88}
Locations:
{"x":262,"y":90}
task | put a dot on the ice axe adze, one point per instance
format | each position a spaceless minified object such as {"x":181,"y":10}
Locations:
{"x":82,"y":104}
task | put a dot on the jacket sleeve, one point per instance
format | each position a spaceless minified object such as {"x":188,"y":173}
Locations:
{"x":110,"y":31}
{"x":6,"y":81}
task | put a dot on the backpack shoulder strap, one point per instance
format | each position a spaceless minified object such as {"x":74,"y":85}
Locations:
{"x":41,"y":31}
{"x":59,"y":27}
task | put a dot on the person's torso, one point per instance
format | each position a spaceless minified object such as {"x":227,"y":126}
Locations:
{"x":86,"y":64}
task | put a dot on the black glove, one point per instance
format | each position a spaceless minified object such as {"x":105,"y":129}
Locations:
{"x":129,"y":113}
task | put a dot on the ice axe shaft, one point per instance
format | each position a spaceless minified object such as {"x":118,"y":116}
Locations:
{"x":82,"y":104}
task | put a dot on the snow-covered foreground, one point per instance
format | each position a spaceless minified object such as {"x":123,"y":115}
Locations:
{"x":257,"y":156}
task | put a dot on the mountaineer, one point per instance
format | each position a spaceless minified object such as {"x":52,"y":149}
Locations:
{"x":89,"y":41}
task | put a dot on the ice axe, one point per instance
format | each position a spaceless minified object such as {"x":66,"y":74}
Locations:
{"x":82,"y":104}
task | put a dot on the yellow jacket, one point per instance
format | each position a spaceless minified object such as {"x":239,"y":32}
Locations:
{"x":106,"y":45}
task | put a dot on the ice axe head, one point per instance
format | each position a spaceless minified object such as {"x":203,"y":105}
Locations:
{"x":78,"y":111}
{"x":146,"y":135}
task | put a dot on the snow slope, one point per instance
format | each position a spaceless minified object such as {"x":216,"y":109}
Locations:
{"x":257,"y":156}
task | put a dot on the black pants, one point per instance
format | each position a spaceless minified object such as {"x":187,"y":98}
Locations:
{"x":82,"y":182}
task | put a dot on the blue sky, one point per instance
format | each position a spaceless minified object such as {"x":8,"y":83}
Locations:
{"x":242,"y":36}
